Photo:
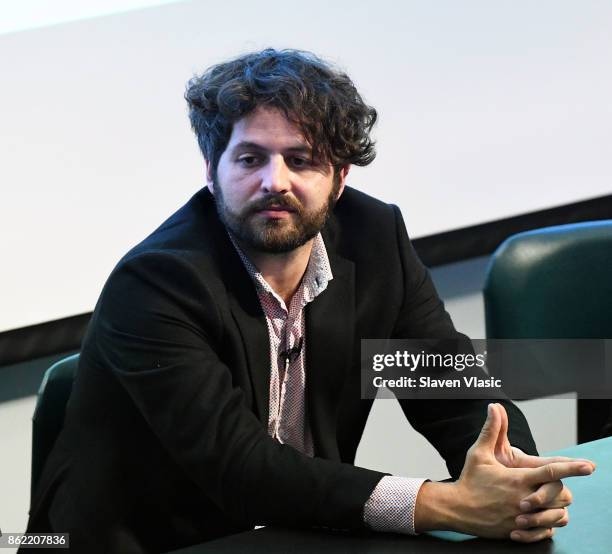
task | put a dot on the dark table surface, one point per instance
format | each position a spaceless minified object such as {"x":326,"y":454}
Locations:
{"x":589,"y":531}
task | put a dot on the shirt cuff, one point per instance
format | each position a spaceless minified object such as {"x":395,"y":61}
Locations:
{"x":391,"y":505}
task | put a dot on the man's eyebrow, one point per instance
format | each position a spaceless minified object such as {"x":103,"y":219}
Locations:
{"x":247,"y":145}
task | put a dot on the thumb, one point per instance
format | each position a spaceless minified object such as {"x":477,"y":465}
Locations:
{"x":490,"y":430}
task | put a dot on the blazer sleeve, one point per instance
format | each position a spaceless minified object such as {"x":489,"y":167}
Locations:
{"x":450,"y":426}
{"x":155,"y":328}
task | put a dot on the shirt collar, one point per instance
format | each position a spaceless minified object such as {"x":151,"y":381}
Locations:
{"x":317,"y":276}
{"x":318,"y":272}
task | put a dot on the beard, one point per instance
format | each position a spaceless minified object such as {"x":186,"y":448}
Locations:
{"x":271,"y":235}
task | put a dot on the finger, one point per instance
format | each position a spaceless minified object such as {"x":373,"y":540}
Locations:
{"x":556,"y":471}
{"x":555,"y":517}
{"x":502,"y":437}
{"x":549,"y":495}
{"x":542,"y":497}
{"x":532,"y":535}
{"x":490,"y":429}
{"x":526,"y":460}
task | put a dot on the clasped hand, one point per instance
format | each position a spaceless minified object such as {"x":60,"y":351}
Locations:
{"x":501,"y":492}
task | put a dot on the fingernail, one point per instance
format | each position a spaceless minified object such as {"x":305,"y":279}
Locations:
{"x":515,"y":535}
{"x":525,"y":506}
{"x":586,"y":469}
{"x":522,"y":521}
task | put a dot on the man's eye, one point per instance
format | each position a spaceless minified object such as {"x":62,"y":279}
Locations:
{"x":299,"y":162}
{"x":248,"y":161}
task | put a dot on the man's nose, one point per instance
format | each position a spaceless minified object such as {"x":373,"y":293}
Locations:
{"x":276,"y":178}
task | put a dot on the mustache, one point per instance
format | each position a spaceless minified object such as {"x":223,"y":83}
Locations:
{"x":280,"y":202}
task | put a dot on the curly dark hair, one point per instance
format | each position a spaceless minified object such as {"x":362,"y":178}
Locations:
{"x":320,"y":100}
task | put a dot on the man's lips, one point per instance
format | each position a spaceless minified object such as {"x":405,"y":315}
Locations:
{"x":277,"y":208}
{"x":275,"y":211}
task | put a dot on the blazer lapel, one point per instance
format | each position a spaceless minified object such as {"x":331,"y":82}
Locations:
{"x":330,"y":325}
{"x":246,"y":310}
{"x":251,"y":321}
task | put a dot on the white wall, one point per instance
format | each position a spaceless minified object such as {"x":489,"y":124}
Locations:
{"x":487,"y":109}
{"x":16,"y":433}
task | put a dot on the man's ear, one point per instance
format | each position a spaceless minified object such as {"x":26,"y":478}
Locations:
{"x":209,"y":179}
{"x":342,"y":173}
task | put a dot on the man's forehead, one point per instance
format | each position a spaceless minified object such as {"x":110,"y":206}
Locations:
{"x":267,"y":128}
{"x":247,"y":145}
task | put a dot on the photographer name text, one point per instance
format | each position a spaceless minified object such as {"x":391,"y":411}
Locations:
{"x":431,"y":382}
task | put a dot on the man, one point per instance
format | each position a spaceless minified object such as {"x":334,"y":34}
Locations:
{"x":218,"y":385}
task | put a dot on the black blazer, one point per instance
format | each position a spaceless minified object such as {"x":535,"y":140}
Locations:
{"x":165,"y":441}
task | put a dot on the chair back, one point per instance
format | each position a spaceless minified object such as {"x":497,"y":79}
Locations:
{"x":554,"y":282}
{"x":50,"y":410}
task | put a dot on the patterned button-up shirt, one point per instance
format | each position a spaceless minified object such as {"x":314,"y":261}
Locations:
{"x":391,"y":504}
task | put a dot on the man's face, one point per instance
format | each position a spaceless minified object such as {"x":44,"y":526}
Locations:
{"x":268,"y":191}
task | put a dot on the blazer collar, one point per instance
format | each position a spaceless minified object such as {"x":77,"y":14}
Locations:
{"x":243,"y":303}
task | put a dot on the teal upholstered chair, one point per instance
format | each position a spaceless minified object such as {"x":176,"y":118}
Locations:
{"x":49,"y":413}
{"x":555,"y":282}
